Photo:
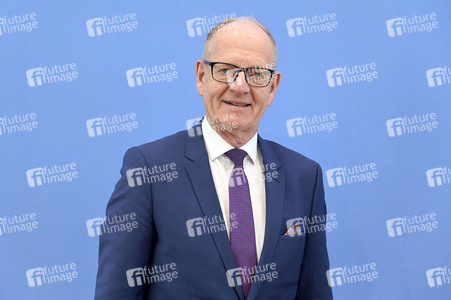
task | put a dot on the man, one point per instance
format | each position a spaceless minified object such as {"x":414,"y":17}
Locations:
{"x":232,"y":221}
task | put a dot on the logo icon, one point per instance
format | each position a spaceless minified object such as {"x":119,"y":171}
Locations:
{"x":35,"y":277}
{"x":435,"y":177}
{"x":135,"y":277}
{"x":237,"y":178}
{"x":234,"y":277}
{"x":35,"y":77}
{"x":94,"y":226}
{"x":295,"y":226}
{"x":435,"y":77}
{"x":95,"y":27}
{"x":395,"y":127}
{"x":35,"y":177}
{"x":95,"y":127}
{"x":395,"y":27}
{"x":335,"y":77}
{"x":294,"y":27}
{"x":135,"y":77}
{"x":436,"y":277}
{"x":196,"y":227}
{"x":135,"y":177}
{"x":192,"y":132}
{"x":335,"y":277}
{"x":294,"y":126}
{"x":195,"y":27}
{"x":335,"y":177}
{"x":395,"y":227}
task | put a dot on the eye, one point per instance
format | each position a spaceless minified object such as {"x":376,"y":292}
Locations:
{"x":257,"y":73}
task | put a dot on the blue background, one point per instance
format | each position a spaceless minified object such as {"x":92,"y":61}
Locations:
{"x":163,"y":108}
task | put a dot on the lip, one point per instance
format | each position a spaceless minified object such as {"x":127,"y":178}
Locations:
{"x":236,"y":102}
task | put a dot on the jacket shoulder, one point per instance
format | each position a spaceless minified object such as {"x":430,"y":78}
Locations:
{"x":167,"y":147}
{"x":291,"y":157}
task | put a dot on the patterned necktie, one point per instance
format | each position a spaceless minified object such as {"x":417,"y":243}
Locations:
{"x":242,"y":238}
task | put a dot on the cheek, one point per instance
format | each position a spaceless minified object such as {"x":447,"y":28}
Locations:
{"x":216,"y":92}
{"x":212,"y":94}
{"x":261,"y":99}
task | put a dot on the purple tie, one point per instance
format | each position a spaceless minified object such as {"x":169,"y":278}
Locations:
{"x":242,"y":238}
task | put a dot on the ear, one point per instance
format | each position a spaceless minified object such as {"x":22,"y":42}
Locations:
{"x":273,"y":86}
{"x":200,"y":77}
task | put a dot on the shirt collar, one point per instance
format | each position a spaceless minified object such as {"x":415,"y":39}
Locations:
{"x":216,"y":145}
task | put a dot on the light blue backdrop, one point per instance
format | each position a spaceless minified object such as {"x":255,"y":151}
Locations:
{"x":365,"y":91}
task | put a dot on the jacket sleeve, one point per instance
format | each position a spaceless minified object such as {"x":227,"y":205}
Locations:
{"x":313,"y":284}
{"x":124,"y":247}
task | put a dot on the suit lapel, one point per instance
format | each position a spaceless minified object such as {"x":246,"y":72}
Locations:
{"x":198,"y":169}
{"x":274,"y":209}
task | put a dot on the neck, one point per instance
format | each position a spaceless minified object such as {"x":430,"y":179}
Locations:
{"x":236,"y":138}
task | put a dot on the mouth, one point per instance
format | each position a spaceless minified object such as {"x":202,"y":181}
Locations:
{"x":236,"y":104}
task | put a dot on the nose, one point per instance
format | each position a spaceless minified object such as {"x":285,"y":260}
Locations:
{"x":240,"y":85}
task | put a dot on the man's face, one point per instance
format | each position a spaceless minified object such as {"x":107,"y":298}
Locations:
{"x":243,"y":44}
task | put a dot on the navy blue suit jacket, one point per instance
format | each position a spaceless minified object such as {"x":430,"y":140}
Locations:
{"x":164,"y":208}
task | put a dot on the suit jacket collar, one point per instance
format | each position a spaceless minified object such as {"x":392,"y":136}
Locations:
{"x":275,"y":187}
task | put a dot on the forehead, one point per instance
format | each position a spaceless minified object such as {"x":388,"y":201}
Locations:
{"x":242,"y":43}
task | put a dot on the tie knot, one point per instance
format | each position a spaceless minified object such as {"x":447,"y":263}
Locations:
{"x":236,"y":155}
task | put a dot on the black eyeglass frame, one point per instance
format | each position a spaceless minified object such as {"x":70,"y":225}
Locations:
{"x":239,"y":69}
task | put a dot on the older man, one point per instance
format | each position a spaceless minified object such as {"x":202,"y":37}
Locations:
{"x":234,"y":221}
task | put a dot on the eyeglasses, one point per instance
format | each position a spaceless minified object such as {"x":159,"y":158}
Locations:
{"x":227,"y":73}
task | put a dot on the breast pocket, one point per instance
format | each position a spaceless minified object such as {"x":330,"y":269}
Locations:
{"x":289,"y":237}
{"x":288,"y":257}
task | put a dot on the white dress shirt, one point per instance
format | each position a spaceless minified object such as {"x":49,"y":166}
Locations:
{"x":221,"y":169}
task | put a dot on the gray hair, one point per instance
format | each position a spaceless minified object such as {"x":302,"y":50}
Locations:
{"x":232,"y":20}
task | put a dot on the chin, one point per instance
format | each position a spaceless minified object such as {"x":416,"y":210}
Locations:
{"x":240,"y":125}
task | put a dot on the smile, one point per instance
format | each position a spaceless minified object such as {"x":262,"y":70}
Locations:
{"x":236,"y":104}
